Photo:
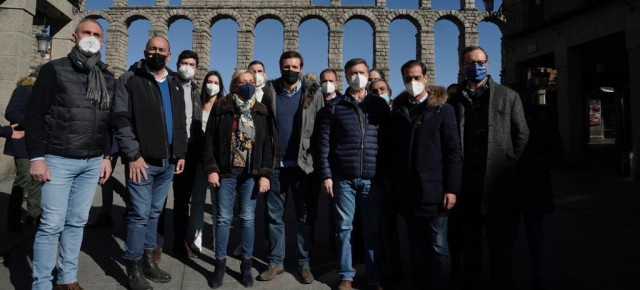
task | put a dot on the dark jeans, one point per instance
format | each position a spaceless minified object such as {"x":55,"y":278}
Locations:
{"x":429,"y":250}
{"x":23,"y":186}
{"x":182,"y":188}
{"x":305,"y":198}
{"x":502,"y":230}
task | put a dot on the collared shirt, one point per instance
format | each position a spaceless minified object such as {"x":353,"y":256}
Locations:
{"x":416,"y":102}
{"x":295,"y":89}
{"x":188,"y":103}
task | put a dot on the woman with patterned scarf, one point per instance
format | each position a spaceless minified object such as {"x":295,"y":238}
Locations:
{"x":238,"y":157}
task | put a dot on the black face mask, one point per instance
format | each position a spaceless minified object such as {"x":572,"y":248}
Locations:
{"x":289,"y":76}
{"x":156,"y":62}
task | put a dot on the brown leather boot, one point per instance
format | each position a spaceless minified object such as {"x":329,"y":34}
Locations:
{"x":345,"y":285}
{"x":157,"y":255}
{"x":70,"y":286}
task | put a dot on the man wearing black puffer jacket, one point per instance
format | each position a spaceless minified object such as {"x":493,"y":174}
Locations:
{"x":150,"y":122}
{"x":66,"y":125}
{"x":351,"y":139}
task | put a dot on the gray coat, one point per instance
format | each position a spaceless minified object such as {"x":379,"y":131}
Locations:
{"x":311,"y":102}
{"x":507,"y":138}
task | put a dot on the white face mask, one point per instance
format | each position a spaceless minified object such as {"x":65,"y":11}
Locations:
{"x":212,"y":89}
{"x":186,"y":72}
{"x":259,"y":79}
{"x":328,"y":88}
{"x":89,"y":46}
{"x":358,"y":82}
{"x":414,"y":88}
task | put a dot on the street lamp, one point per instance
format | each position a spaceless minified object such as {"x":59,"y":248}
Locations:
{"x":43,"y":38}
{"x":43,"y":42}
{"x":488,"y":5}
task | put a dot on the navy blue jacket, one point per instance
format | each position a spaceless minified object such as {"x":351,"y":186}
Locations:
{"x":426,"y":158}
{"x":15,"y":115}
{"x":351,"y":137}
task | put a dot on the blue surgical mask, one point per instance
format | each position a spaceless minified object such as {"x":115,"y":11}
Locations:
{"x":385,"y":96}
{"x":246,"y":91}
{"x":476,"y":73}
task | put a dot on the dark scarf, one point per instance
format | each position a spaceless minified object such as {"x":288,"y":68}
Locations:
{"x":96,"y":87}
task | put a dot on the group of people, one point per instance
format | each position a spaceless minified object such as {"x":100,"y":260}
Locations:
{"x":376,"y":157}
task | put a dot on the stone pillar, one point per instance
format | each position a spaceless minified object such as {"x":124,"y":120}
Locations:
{"x":245,"y":47}
{"x":290,"y":40}
{"x":159,"y":29}
{"x":61,"y":42}
{"x":381,"y":51}
{"x":466,"y":5}
{"x":381,"y":3}
{"x":15,"y":55}
{"x":202,"y":46}
{"x":633,"y":55}
{"x":119,"y":3}
{"x":425,"y":4}
{"x":571,"y":105}
{"x":162,"y":3}
{"x":426,"y":53}
{"x":116,"y":52}
{"x":335,"y":2}
{"x":335,"y":54}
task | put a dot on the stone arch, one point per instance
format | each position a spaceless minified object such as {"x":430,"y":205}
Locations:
{"x":452,"y":15}
{"x":219,"y":14}
{"x":499,"y":21}
{"x":133,"y":15}
{"x":317,"y":14}
{"x":362,"y":14}
{"x":412,"y":16}
{"x":96,"y":14}
{"x":271,"y":14}
{"x":174,"y":15}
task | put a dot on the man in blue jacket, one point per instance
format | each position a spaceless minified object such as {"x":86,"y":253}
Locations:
{"x":426,"y":172}
{"x":351,"y":134}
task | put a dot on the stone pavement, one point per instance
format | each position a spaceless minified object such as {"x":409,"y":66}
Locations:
{"x":593,"y":242}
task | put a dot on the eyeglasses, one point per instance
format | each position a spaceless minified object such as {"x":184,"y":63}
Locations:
{"x":478,"y":62}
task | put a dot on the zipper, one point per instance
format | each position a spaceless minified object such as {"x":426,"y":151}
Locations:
{"x":362,"y":134}
{"x":93,"y":132}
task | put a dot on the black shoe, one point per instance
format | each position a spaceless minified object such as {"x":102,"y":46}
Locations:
{"x":103,"y":220}
{"x":134,"y":273}
{"x":245,"y":273}
{"x":216,"y":279}
{"x":151,"y":270}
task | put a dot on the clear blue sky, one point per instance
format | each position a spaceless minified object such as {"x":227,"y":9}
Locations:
{"x":313,"y":39}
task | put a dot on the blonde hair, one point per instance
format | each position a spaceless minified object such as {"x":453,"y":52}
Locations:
{"x":233,"y":87}
{"x":26,"y":82}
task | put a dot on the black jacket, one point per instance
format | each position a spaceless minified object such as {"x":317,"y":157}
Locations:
{"x":427,"y":156}
{"x":59,"y":120}
{"x":351,"y":137}
{"x":15,"y":115}
{"x":216,"y":155}
{"x":139,"y":117}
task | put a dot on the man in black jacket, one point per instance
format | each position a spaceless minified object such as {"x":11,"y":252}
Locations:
{"x":183,"y":184}
{"x":426,"y":171}
{"x":67,"y":133}
{"x":351,"y":134}
{"x":149,"y":117}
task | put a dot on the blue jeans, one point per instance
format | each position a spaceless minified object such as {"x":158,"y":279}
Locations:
{"x":196,"y":213}
{"x":243,"y":180}
{"x":65,"y":203}
{"x":429,"y":250}
{"x":368,"y":196}
{"x":146,"y":203}
{"x":306,"y":203}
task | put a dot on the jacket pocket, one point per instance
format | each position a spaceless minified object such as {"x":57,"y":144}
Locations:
{"x":432,"y":189}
